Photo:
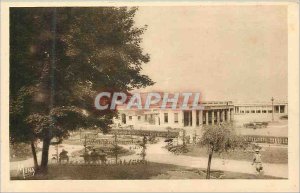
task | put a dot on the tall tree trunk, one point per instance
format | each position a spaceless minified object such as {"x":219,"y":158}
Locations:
{"x":208,"y":165}
{"x":116,"y":146}
{"x":45,"y":153}
{"x":36,"y":165}
{"x":48,"y":135}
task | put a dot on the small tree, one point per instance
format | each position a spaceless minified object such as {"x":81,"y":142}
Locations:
{"x":116,"y":149}
{"x":220,"y":138}
{"x":143,"y":145}
{"x":183,"y":138}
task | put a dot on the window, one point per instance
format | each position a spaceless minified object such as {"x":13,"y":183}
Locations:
{"x":276,"y":109}
{"x":123,"y":118}
{"x":270,"y":111}
{"x":139,"y":118}
{"x":187,"y":118}
{"x":130,"y":117}
{"x":247,"y":111}
{"x":166,"y":117}
{"x":264,"y":111}
{"x":281,"y":108}
{"x":175,"y":117}
{"x":253,"y":111}
{"x":242,"y":111}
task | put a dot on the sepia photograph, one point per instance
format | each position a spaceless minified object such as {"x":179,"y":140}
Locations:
{"x":150,"y":93}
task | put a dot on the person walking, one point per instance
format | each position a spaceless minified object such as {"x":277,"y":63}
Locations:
{"x":257,"y":161}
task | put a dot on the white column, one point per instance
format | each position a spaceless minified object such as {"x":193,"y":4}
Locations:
{"x":134,"y":119}
{"x":194,"y":118}
{"x":180,"y":118}
{"x":162,"y":117}
{"x":156,"y":119}
{"x":206,"y":117}
{"x":223,"y":115}
{"x":200,"y":117}
{"x":232,"y":115}
{"x":218,"y":116}
{"x":278,"y":108}
{"x":171,"y":117}
{"x":228,"y":118}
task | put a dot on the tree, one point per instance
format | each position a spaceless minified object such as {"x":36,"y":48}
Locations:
{"x":22,"y":132}
{"x":62,"y":58}
{"x":116,"y":150}
{"x":144,"y":147}
{"x":220,"y":138}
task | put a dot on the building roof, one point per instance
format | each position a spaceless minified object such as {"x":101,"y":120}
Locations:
{"x":181,"y":99}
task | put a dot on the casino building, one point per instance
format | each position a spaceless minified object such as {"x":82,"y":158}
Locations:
{"x":212,"y":112}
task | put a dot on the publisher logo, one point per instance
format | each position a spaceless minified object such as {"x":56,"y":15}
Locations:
{"x":26,"y":172}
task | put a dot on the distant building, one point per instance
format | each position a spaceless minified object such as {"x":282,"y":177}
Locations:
{"x":261,"y":108}
{"x":248,"y":112}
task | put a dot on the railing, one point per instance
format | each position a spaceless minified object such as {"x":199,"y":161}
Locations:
{"x":217,"y":103}
{"x":171,"y":134}
{"x":266,"y":139}
{"x":106,"y":142}
{"x":112,"y":162}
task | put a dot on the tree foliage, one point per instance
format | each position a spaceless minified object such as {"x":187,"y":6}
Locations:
{"x":220,"y":138}
{"x":61,"y":58}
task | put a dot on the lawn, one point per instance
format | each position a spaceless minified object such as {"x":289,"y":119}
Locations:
{"x":278,"y":155}
{"x":101,"y":172}
{"x":133,"y":172}
{"x":276,"y":129}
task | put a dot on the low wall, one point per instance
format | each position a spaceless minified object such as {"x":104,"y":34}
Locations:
{"x":266,"y":139}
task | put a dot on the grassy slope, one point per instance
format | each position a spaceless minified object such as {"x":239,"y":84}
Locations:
{"x":269,"y":154}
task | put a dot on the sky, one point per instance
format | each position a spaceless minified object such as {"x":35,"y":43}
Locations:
{"x":236,"y":53}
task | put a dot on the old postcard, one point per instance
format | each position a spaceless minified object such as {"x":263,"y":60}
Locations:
{"x":168,"y":97}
